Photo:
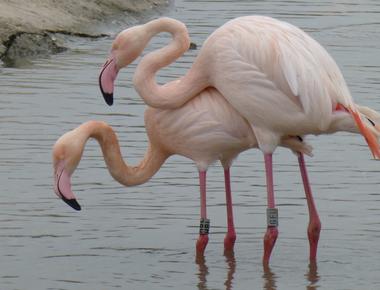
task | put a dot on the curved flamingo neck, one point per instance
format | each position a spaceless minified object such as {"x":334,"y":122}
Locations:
{"x":118,"y":168}
{"x":174,"y":93}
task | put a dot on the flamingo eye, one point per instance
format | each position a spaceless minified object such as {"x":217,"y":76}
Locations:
{"x":372,"y":122}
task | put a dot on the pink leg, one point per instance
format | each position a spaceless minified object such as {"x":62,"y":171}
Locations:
{"x":314,"y":227}
{"x":229,"y":240}
{"x":205,"y":222}
{"x":272,"y":217}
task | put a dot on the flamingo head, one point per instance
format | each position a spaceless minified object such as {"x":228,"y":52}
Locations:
{"x":372,"y":122}
{"x":66,"y":157}
{"x":126,"y":47}
{"x":359,"y":119}
{"x":372,"y":118}
{"x":62,"y":185}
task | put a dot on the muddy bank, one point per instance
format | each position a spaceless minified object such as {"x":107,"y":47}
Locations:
{"x":28,"y":28}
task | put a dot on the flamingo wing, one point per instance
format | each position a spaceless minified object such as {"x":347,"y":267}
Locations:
{"x":276,"y":76}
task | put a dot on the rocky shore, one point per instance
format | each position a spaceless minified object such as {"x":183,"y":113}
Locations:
{"x":28,"y":27}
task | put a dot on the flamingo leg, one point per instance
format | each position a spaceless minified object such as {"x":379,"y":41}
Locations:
{"x":204,"y":222}
{"x":272,"y":216}
{"x":314,"y":227}
{"x":229,"y":240}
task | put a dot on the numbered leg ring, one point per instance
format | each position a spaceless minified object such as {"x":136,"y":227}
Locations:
{"x":272,"y":217}
{"x":204,"y":226}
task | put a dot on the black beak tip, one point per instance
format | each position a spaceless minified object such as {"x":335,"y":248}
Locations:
{"x":108,"y":97}
{"x":73,"y":203}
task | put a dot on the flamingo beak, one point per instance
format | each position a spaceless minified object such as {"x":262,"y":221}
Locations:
{"x":62,"y":187}
{"x":72,"y":202}
{"x":107,"y":78}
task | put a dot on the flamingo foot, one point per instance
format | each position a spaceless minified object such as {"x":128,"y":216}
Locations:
{"x":229,"y":241}
{"x":313,"y":232}
{"x":269,"y":242}
{"x":201,"y":244}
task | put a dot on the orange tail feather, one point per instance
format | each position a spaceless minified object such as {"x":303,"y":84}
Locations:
{"x":371,"y":139}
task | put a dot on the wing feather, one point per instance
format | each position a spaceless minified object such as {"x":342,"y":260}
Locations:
{"x":276,"y":69}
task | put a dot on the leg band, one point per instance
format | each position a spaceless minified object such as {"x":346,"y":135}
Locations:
{"x":272,"y":217}
{"x":204,"y":226}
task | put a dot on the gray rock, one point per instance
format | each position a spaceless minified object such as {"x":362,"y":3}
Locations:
{"x":30,"y":45}
{"x":2,"y":49}
{"x":26,"y":26}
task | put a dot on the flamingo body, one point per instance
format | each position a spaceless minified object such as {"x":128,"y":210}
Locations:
{"x":275,"y":69}
{"x":262,"y":66}
{"x":205,"y":130}
{"x":279,"y":81}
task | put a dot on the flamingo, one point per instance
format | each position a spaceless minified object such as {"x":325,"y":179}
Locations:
{"x":282,"y":81}
{"x":205,"y":129}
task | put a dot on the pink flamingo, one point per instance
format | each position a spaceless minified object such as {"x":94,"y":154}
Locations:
{"x":276,"y":76}
{"x":205,"y":129}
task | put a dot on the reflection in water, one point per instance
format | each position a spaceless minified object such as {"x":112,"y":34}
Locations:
{"x":203,"y":271}
{"x":312,"y":276}
{"x":269,"y":279}
{"x":231,"y":262}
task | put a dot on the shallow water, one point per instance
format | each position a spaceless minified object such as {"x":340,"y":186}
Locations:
{"x":144,"y":237}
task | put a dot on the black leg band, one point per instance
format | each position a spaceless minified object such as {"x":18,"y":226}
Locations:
{"x":204,"y":226}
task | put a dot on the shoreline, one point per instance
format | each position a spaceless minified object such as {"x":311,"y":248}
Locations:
{"x":27,"y":28}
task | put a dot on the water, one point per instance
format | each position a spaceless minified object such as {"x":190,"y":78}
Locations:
{"x":144,"y":237}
